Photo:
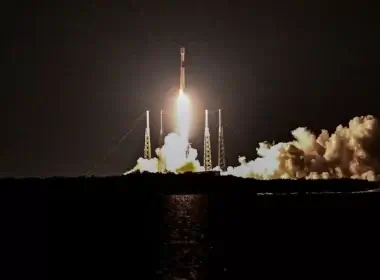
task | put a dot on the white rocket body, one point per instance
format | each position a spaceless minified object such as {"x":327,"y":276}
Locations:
{"x":182,"y":73}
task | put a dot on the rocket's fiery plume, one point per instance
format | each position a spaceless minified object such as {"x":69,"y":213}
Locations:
{"x":183,"y":115}
{"x":343,"y":154}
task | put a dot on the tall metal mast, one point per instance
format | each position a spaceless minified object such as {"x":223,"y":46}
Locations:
{"x":207,"y":146}
{"x":161,"y":140}
{"x":161,"y":164}
{"x":221,"y":152}
{"x":147,"y":146}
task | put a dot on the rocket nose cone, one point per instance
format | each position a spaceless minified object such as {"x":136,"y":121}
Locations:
{"x":182,"y":50}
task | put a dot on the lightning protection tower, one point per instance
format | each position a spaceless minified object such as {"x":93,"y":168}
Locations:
{"x":207,"y":146}
{"x":161,"y":141}
{"x":147,"y":146}
{"x":221,"y":152}
{"x":161,"y":165}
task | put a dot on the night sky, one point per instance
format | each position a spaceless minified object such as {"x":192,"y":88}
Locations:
{"x":79,"y":74}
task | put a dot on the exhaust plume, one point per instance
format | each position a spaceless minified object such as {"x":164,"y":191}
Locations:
{"x":343,"y":154}
{"x":172,"y":155}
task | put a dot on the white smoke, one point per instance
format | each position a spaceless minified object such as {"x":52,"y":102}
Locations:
{"x":175,"y":156}
{"x":344,"y":154}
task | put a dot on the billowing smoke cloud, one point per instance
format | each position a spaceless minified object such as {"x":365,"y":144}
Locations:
{"x":343,"y":154}
{"x":174,"y":156}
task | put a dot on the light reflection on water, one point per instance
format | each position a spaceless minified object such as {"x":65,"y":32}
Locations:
{"x":185,"y":244}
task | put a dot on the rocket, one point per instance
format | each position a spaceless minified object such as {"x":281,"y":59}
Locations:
{"x":182,"y":73}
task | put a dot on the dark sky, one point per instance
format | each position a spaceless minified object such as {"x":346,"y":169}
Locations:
{"x":79,"y":74}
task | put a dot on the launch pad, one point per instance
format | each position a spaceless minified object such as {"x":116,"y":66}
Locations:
{"x":183,"y":125}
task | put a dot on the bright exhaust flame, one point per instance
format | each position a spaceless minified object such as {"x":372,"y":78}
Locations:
{"x":342,"y":154}
{"x":183,"y":115}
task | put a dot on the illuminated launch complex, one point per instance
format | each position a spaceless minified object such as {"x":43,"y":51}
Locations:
{"x":344,"y":153}
{"x":182,"y":128}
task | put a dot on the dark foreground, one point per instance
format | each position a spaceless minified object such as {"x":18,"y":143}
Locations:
{"x":189,"y":226}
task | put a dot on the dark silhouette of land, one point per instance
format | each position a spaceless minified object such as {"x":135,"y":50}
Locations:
{"x":114,"y":227}
{"x":188,"y":183}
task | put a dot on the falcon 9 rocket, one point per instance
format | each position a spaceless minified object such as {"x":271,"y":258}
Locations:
{"x":182,"y":74}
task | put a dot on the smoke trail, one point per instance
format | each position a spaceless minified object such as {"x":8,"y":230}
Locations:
{"x":343,"y":154}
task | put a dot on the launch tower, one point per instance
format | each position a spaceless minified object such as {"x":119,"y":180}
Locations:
{"x":161,"y":164}
{"x":161,"y":140}
{"x":207,"y":145}
{"x":147,"y":146}
{"x":221,"y":152}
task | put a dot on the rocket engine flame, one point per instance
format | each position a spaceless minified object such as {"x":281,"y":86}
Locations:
{"x":344,"y":154}
{"x":183,"y":115}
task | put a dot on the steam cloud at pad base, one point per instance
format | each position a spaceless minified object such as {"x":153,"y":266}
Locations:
{"x":343,"y":154}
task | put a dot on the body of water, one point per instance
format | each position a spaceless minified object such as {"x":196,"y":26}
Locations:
{"x":184,"y":250}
